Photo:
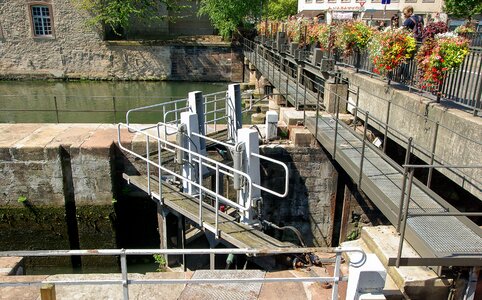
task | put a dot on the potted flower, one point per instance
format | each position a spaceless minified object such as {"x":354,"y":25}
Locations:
{"x":354,"y":37}
{"x":390,"y":49}
{"x":439,"y":56}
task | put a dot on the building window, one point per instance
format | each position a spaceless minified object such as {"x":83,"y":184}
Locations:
{"x":308,"y":1}
{"x":41,"y":20}
{"x":319,"y":1}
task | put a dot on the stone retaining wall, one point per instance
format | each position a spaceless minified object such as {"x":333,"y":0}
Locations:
{"x":42,"y":162}
{"x":77,"y":51}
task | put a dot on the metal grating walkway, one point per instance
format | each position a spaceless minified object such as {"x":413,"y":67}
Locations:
{"x":431,"y":236}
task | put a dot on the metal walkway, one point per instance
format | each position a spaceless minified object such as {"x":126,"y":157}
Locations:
{"x":445,"y":237}
{"x":237,"y":234}
{"x":451,"y":237}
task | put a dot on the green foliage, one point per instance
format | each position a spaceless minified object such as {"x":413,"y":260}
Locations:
{"x":161,"y":261}
{"x":228,"y":15}
{"x":22,"y":199}
{"x":281,"y":9}
{"x":463,"y":8}
{"x":119,"y":13}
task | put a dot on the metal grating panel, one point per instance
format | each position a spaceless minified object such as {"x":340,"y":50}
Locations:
{"x":446,"y":235}
{"x":230,"y":291}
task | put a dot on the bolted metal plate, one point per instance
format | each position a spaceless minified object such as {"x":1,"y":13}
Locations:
{"x":229,"y":291}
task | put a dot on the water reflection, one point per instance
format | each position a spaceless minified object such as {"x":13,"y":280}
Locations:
{"x":88,"y":101}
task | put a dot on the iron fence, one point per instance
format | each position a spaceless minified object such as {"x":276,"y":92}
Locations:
{"x":125,"y":282}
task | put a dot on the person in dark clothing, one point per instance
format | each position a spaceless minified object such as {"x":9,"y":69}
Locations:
{"x":413,"y":22}
{"x":394,"y":24}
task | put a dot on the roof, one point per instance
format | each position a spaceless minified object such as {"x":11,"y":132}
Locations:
{"x":380,"y":14}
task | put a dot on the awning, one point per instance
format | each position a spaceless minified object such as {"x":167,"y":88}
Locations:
{"x":310,"y":13}
{"x":371,"y":14}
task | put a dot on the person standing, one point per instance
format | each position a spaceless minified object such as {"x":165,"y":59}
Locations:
{"x":413,"y":22}
{"x":394,"y":24}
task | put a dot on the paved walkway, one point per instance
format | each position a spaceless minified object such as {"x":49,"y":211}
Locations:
{"x":267,"y":291}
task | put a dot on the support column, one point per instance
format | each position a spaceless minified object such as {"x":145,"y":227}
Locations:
{"x":190,"y":169}
{"x":161,"y":223}
{"x":181,"y":238}
{"x":332,"y":91}
{"x":233,"y":111}
{"x":250,"y":166}
{"x":196,"y":104}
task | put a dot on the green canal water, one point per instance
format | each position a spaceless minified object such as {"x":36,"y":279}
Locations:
{"x":90,"y":101}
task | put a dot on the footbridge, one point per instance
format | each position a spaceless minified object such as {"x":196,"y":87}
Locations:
{"x":441,"y":234}
{"x":194,"y":154}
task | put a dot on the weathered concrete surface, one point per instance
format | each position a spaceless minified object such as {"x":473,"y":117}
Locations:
{"x":268,"y":291}
{"x":414,"y":282}
{"x":11,"y":266}
{"x":311,"y":200}
{"x":459,"y":134}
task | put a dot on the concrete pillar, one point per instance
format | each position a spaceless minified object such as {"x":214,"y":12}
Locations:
{"x":251,"y":167}
{"x":196,"y":103}
{"x":271,"y":125}
{"x":161,"y":224}
{"x":300,"y":74}
{"x":190,"y":169}
{"x":332,"y":91}
{"x":233,"y":111}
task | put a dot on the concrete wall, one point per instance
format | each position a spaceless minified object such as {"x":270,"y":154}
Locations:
{"x":310,"y":204}
{"x":459,"y":136}
{"x":77,"y":51}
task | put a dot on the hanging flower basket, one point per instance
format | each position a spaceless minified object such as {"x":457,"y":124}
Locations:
{"x":438,"y":56}
{"x":388,"y":50}
{"x":354,"y":36}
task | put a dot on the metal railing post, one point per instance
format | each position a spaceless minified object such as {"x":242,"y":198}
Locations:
{"x":479,"y":96}
{"x":56,"y":109}
{"x":385,"y":140}
{"x":148,"y":167}
{"x":159,"y":162}
{"x":405,"y":217}
{"x":404,"y":182}
{"x":336,"y":275}
{"x":217,"y":203}
{"x":200,"y":175}
{"x":317,"y":114}
{"x":304,"y":95}
{"x":337,"y":103}
{"x":432,"y":155}
{"x":125,"y":280}
{"x":356,"y":107}
{"x":360,"y":174}
{"x":115,"y":110}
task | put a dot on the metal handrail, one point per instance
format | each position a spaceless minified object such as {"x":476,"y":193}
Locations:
{"x":285,"y":193}
{"x":406,"y":204}
{"x":423,"y":150}
{"x":125,"y":281}
{"x":202,"y":161}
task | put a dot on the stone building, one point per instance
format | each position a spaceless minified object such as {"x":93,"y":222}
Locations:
{"x":50,"y":39}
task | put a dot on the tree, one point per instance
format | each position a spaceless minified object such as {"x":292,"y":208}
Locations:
{"x":118,"y":14}
{"x":228,"y":15}
{"x":463,"y":8}
{"x":281,"y":9}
